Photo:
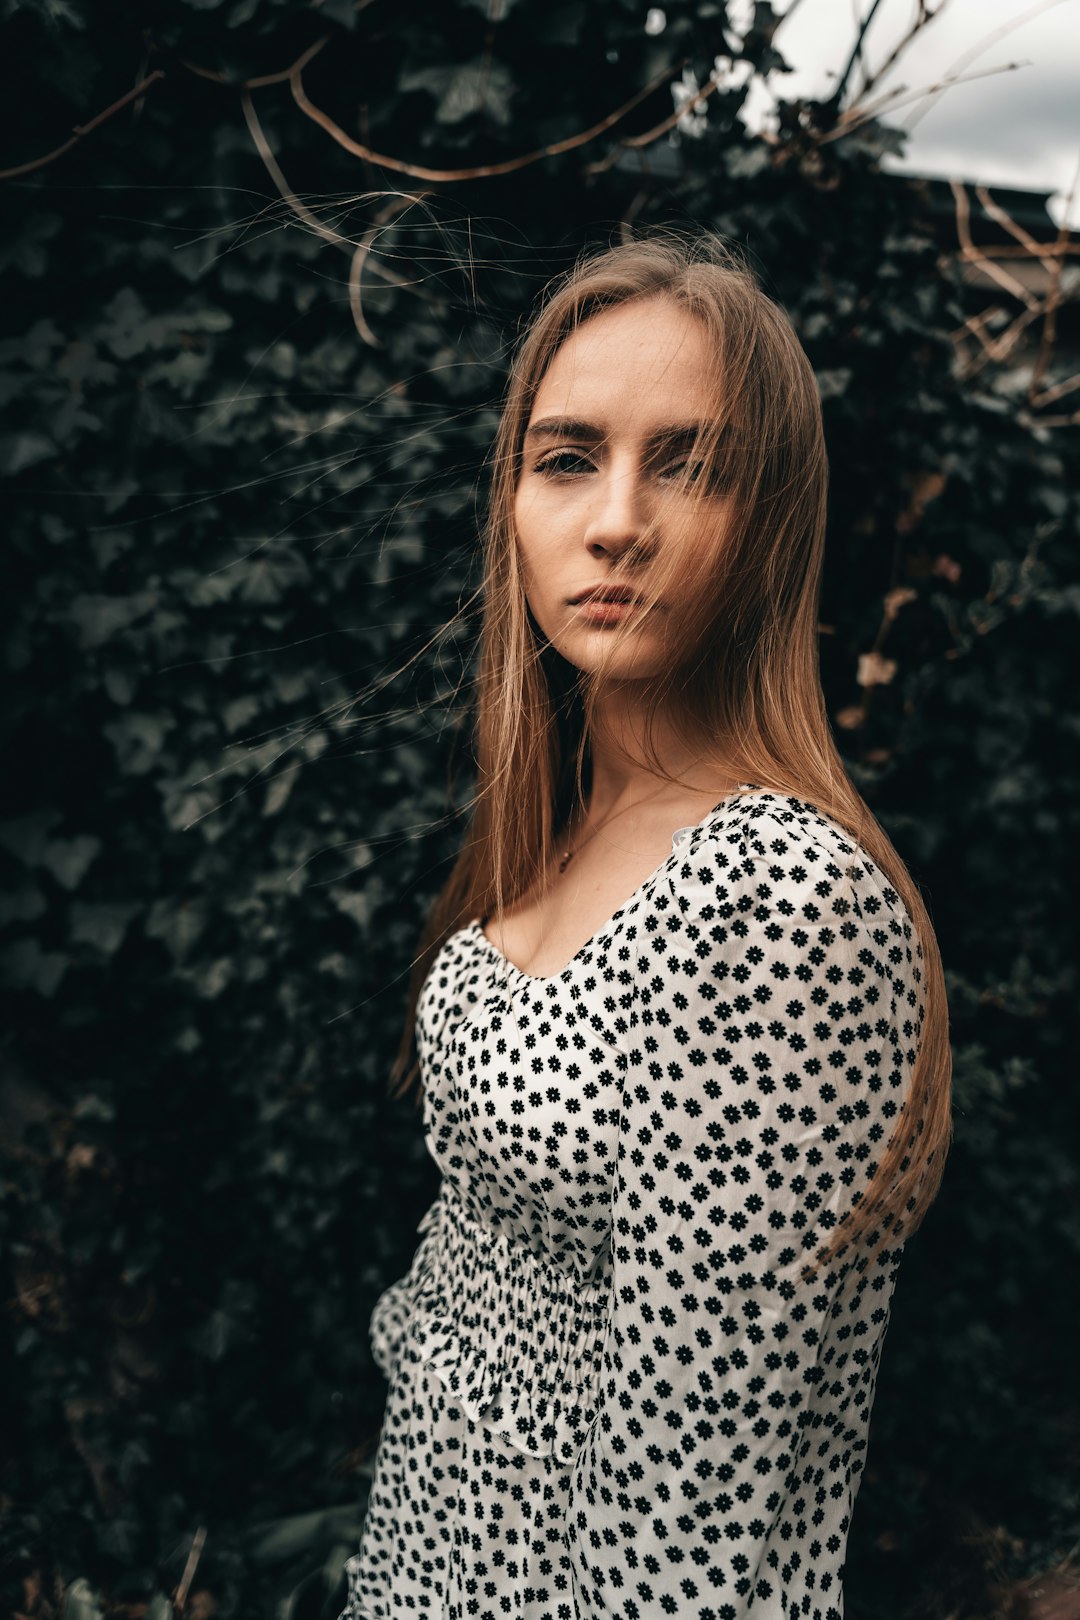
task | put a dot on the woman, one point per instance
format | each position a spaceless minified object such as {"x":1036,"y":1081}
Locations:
{"x":680,"y":1016}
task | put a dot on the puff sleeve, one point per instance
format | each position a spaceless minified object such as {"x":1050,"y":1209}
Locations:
{"x":776,"y":1020}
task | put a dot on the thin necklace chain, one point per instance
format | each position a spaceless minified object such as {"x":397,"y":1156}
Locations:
{"x":568,"y":854}
{"x":572,"y":849}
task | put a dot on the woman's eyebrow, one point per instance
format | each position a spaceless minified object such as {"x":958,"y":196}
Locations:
{"x":562,"y":427}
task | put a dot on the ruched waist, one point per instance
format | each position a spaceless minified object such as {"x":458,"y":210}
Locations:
{"x":515,"y":1341}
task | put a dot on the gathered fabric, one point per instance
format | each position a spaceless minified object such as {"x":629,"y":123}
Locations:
{"x":510,"y":1337}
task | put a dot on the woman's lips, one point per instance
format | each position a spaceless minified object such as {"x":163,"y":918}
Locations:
{"x":600,"y":613}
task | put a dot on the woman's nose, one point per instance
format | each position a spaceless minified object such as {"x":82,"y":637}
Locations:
{"x":618,"y":518}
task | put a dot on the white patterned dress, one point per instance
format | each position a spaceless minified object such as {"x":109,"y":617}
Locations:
{"x":610,"y":1391}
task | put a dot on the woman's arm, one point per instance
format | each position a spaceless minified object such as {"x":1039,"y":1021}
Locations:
{"x":778,"y":1008}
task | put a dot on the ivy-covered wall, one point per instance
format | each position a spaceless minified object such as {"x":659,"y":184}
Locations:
{"x":256,"y":323}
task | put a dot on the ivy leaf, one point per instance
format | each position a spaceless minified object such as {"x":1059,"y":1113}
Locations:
{"x":343,"y":12}
{"x":27,"y":250}
{"x":126,"y":326}
{"x":137,"y":739}
{"x":22,"y":905}
{"x":178,"y":924}
{"x":98,"y":618}
{"x":26,"y":837}
{"x":21,"y":450}
{"x":25,"y":966}
{"x":102,"y":923}
{"x":480,"y":86}
{"x":833,"y":382}
{"x":80,"y":1602}
{"x":354,"y":903}
{"x":69,"y":858}
{"x":53,"y":11}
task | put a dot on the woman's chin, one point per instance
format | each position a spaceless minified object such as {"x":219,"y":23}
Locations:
{"x":591,"y":656}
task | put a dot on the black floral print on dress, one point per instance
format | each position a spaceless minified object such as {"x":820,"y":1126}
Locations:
{"x":612,"y":1393}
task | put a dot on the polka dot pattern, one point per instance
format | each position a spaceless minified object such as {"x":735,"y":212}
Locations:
{"x":611,"y":1391}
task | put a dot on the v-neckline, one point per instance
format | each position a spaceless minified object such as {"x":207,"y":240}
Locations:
{"x":476,"y":926}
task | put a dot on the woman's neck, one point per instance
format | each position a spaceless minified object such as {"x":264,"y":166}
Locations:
{"x":622,"y":771}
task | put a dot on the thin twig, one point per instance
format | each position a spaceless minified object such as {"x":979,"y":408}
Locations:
{"x":854,"y":117}
{"x":992,"y":348}
{"x":994,"y":271}
{"x":133,"y":94}
{"x":484,"y":171}
{"x":856,"y":55}
{"x":1053,"y":299}
{"x":922,"y":20}
{"x":198,"y":1541}
{"x":1006,"y":250}
{"x":788,"y":14}
{"x":360,"y":257}
{"x":1000,"y":348}
{"x":626,"y":232}
{"x":263,"y":79}
{"x":977,"y":50}
{"x":1033,"y":249}
{"x":273,"y":168}
{"x":1049,"y":421}
{"x":262,"y":146}
{"x":648,"y":136}
{"x":1057,"y":391}
{"x":265,"y":151}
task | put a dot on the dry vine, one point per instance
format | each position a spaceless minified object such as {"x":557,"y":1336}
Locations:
{"x":481,"y":171}
{"x":80,"y":130}
{"x":1035,"y":305}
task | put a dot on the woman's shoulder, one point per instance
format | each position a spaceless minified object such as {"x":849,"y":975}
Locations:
{"x":770,"y":824}
{"x":772,"y":901}
{"x":772,"y":846}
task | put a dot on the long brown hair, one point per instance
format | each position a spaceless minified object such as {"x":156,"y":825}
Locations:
{"x":750,"y":695}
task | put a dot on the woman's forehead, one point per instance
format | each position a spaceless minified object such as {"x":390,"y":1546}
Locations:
{"x":642,"y":362}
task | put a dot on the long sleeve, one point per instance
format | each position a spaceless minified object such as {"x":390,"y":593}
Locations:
{"x":776,"y":1015}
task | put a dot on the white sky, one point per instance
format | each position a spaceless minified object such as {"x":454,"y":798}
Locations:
{"x":1017,"y":128}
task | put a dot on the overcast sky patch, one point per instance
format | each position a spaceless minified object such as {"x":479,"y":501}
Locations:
{"x":1015,"y":128}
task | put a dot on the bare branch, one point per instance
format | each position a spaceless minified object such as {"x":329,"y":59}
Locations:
{"x":977,"y":50}
{"x":854,"y":117}
{"x":1051,"y":259}
{"x":648,"y":136}
{"x":985,"y":263}
{"x":1049,"y":421}
{"x":1033,"y":248}
{"x":197,"y":1543}
{"x":300,"y":209}
{"x":262,"y":146}
{"x":360,"y":258}
{"x":133,"y":94}
{"x":924,"y":17}
{"x":788,"y":14}
{"x":1057,"y":391}
{"x":1053,"y":299}
{"x":263,"y":79}
{"x":999,"y":348}
{"x":856,"y":55}
{"x":1006,"y":250}
{"x":483,"y":171}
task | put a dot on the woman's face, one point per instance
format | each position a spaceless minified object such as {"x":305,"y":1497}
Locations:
{"x":612,"y":426}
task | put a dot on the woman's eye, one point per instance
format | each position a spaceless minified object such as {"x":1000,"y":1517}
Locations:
{"x":563,"y":462}
{"x":676,"y":469}
{"x":699,"y":474}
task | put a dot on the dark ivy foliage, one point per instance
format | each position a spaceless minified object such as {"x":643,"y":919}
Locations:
{"x":237,"y":531}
